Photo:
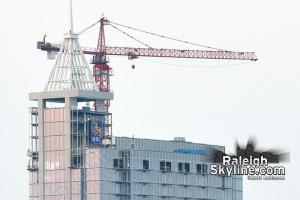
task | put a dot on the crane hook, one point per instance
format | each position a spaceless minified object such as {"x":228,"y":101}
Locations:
{"x":133,"y":64}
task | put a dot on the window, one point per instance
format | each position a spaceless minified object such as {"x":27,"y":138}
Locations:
{"x":146,"y":164}
{"x":184,"y":167}
{"x":204,"y":168}
{"x":187,"y":167}
{"x":119,"y":163}
{"x":116,"y":163}
{"x":162,"y":165}
{"x":165,"y":166}
{"x":201,"y":168}
{"x":223,"y":181}
{"x":168,"y":166}
{"x":76,"y":160}
{"x":180,"y":167}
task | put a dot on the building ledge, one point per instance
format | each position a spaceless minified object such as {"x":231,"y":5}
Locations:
{"x":80,"y":94}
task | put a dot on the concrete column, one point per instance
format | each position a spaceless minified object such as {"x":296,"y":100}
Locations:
{"x":41,"y":164}
{"x":100,"y":105}
{"x":69,"y":104}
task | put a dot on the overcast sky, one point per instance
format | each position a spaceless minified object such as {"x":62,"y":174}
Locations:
{"x":211,"y":102}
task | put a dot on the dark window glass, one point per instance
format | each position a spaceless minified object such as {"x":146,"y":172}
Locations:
{"x":121,"y":163}
{"x":187,"y":167}
{"x":146,"y":164}
{"x":199,"y":168}
{"x":180,"y":167}
{"x":165,"y":166}
{"x":76,"y":161}
{"x":204,"y":169}
{"x":116,"y":163}
{"x":162,"y":165}
{"x":168,"y":166}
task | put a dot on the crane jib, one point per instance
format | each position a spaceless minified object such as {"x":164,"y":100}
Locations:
{"x":153,"y":52}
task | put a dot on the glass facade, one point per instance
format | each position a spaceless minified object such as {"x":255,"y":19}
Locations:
{"x":54,"y":153}
{"x":33,"y":185}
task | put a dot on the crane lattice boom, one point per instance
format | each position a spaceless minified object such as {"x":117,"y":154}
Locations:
{"x":133,"y":52}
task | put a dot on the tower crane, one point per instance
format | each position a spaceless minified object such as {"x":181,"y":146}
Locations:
{"x":102,"y":71}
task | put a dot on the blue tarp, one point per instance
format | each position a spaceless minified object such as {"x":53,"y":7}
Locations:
{"x":190,"y":151}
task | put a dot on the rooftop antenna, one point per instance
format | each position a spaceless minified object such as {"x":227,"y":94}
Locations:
{"x":132,"y":144}
{"x":71,"y":16}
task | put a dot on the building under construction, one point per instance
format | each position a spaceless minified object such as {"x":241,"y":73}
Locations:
{"x":74,"y":155}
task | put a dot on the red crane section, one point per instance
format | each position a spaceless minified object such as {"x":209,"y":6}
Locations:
{"x":174,"y":53}
{"x":102,"y":71}
{"x":133,"y":52}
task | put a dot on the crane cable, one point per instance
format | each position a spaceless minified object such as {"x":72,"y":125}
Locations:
{"x":84,"y":30}
{"x":166,"y":37}
{"x":94,"y":24}
{"x":131,"y":36}
{"x":147,"y":32}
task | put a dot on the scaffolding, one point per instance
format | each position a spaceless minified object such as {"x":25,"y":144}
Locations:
{"x":80,"y":133}
{"x":32,"y":152}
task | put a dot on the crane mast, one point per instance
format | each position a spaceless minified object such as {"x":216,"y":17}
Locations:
{"x":101,"y":69}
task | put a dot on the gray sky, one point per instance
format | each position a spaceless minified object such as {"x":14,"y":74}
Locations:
{"x":212,"y":105}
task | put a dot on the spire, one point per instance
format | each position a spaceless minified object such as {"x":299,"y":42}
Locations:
{"x":71,"y":70}
{"x":71,"y":17}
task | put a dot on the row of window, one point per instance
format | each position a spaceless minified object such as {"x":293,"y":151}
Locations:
{"x":164,"y":166}
{"x":182,"y":167}
{"x":121,"y":163}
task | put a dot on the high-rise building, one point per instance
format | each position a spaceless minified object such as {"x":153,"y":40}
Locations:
{"x":73,"y":155}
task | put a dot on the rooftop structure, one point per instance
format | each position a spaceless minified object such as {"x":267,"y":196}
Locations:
{"x":70,"y":71}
